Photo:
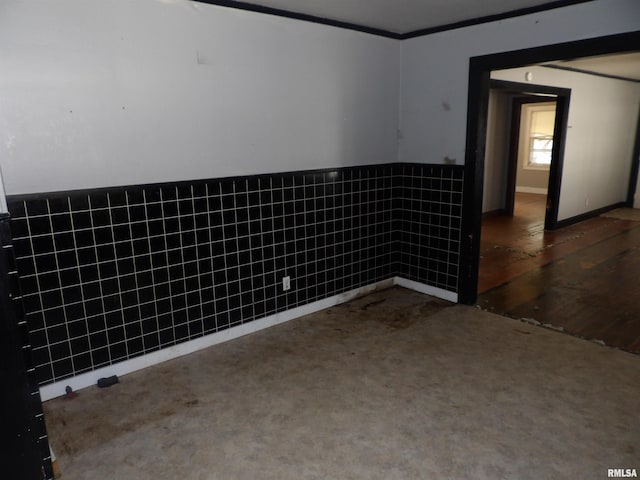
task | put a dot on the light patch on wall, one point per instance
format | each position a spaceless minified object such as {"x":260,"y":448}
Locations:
{"x":201,"y":58}
{"x":11,"y":142}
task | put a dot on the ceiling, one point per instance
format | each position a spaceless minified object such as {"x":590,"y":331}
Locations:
{"x":626,"y":65}
{"x":406,"y":18}
{"x":399,"y":16}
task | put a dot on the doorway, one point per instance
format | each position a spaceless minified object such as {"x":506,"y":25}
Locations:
{"x":521,"y":129}
{"x":576,"y":278}
{"x":479,"y":87}
{"x":525,"y":136}
{"x":532,"y":137}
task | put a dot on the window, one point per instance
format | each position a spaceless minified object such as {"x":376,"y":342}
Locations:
{"x":536,"y":134}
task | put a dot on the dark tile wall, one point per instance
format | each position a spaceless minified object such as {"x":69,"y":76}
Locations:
{"x":428,"y":201}
{"x":22,"y":422}
{"x":112,"y":274}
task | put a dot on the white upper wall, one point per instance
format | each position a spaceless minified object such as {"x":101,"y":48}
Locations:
{"x":99,"y":93}
{"x":435,"y":69}
{"x":96,"y":93}
{"x":603,"y":114}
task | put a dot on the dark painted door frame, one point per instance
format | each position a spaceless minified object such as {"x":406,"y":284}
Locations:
{"x":477,"y":106}
{"x":528,"y":93}
{"x":635,"y":166}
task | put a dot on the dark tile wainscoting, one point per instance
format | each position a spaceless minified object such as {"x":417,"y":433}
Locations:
{"x":111,"y":274}
{"x":23,"y":422}
{"x":428,"y":215}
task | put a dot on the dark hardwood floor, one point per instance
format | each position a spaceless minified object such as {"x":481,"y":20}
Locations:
{"x":583,"y":279}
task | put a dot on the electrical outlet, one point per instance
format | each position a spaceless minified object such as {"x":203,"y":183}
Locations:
{"x":286,"y":283}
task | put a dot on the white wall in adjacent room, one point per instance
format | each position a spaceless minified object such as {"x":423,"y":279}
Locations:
{"x":101,"y":93}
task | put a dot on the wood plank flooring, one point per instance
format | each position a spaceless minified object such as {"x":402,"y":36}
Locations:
{"x":583,"y":279}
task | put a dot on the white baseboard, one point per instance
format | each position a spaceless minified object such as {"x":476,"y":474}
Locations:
{"x":539,"y":191}
{"x":426,"y":289}
{"x":84,"y":380}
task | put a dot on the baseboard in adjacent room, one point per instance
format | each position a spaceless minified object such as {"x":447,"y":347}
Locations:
{"x":587,"y":215}
{"x":536,"y":190}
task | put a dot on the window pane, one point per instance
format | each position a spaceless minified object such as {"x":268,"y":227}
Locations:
{"x":541,"y":151}
{"x":541,"y":136}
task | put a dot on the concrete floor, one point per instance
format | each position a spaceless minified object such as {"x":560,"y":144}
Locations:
{"x":394,"y":385}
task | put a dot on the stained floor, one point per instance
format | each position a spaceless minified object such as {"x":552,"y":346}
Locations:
{"x":582,"y":279}
{"x":394,"y":385}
